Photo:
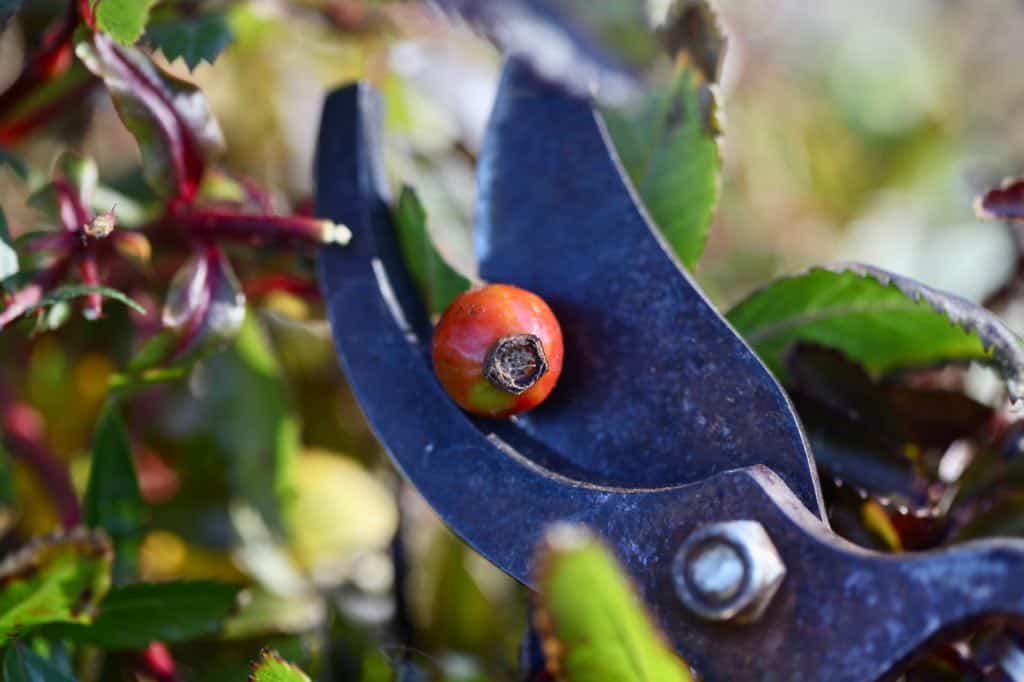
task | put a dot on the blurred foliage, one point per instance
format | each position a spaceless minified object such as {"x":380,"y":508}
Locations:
{"x":606,"y":636}
{"x":59,"y":578}
{"x":247,"y":501}
{"x":272,"y":668}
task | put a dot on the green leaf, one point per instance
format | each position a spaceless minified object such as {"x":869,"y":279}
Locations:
{"x":598,"y":625}
{"x":8,"y":256}
{"x":270,"y":667}
{"x":113,"y":500}
{"x":253,"y":424}
{"x":132,"y":616}
{"x":193,"y":39}
{"x":668,"y":147}
{"x":22,"y":664}
{"x":58,"y":578}
{"x":18,"y":280}
{"x":880,"y":320}
{"x":462,"y":616}
{"x":72,"y":291}
{"x":437,"y":281}
{"x":124,"y":20}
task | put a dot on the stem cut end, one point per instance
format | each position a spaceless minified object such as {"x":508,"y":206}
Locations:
{"x":515,"y":363}
{"x":334,"y":233}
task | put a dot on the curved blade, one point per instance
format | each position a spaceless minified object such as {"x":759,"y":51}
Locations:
{"x":841,"y":613}
{"x":657,"y":388}
{"x":492,"y":494}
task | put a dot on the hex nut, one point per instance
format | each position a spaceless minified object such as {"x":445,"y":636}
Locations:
{"x":728,"y":571}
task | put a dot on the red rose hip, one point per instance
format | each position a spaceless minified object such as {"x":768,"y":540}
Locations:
{"x":497,"y":350}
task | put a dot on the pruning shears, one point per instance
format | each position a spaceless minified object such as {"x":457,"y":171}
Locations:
{"x":666,"y":434}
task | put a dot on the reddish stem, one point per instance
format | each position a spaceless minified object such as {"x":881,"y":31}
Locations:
{"x":23,"y":435}
{"x":90,"y":272}
{"x":12,"y":131}
{"x":73,"y":214}
{"x":85,"y":9}
{"x":53,"y":57}
{"x":247,"y":228}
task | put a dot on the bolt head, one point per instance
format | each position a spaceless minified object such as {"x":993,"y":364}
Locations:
{"x":728,"y":571}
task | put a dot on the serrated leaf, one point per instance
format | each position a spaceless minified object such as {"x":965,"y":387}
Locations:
{"x":169,"y":118}
{"x":438,"y":282}
{"x":880,"y":320}
{"x":597,"y":624}
{"x":113,"y":500}
{"x":270,"y":667}
{"x":73,"y":291}
{"x":132,"y":616}
{"x":192,"y":39}
{"x":8,"y":256}
{"x":22,"y":664}
{"x":668,"y":147}
{"x":124,"y":20}
{"x":57,"y":578}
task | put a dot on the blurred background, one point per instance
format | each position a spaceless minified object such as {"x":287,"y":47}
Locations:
{"x":851,"y":131}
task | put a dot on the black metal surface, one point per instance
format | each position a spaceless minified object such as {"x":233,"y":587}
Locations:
{"x":841,"y":614}
{"x":657,"y":389}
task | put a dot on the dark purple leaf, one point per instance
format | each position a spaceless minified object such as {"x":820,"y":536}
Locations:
{"x":1005,"y":202}
{"x":862,"y":432}
{"x":205,"y":300}
{"x":170,"y":119}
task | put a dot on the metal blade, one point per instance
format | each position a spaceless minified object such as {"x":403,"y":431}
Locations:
{"x":657,"y":389}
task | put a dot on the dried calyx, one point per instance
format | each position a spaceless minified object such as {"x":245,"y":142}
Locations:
{"x":516,"y":363}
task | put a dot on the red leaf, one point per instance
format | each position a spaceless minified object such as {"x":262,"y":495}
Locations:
{"x":170,"y":119}
{"x":1005,"y":202}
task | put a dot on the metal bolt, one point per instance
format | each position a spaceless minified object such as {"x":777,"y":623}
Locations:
{"x":728,"y":571}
